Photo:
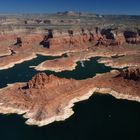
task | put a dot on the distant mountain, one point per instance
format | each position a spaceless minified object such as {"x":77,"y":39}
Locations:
{"x":72,"y":13}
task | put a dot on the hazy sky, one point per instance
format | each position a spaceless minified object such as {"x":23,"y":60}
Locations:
{"x":96,"y":6}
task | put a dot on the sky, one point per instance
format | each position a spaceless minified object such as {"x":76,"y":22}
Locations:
{"x":130,"y":7}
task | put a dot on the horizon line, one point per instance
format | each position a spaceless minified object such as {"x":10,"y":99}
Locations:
{"x":86,"y":12}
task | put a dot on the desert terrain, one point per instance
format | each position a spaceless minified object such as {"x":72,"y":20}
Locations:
{"x":73,"y":37}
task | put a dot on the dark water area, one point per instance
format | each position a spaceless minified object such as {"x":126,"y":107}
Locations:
{"x":102,"y":117}
{"x":22,"y":72}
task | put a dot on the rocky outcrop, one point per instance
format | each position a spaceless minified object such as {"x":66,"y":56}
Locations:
{"x":132,"y":73}
{"x":135,"y":40}
{"x":129,"y":59}
{"x":132,"y":37}
{"x":104,"y":37}
{"x":41,"y":81}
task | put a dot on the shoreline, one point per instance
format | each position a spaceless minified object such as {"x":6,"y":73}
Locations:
{"x":69,"y":63}
{"x":12,"y":64}
{"x":67,"y":111}
{"x":34,"y":55}
{"x":118,"y":65}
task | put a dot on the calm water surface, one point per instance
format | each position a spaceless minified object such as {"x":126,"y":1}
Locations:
{"x":22,"y":72}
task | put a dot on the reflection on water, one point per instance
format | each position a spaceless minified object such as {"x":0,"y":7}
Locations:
{"x":100,"y":117}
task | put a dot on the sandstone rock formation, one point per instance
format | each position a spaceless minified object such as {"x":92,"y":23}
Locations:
{"x":132,"y":73}
{"x":132,"y":37}
{"x":62,"y":42}
{"x":126,"y":60}
{"x":45,"y":99}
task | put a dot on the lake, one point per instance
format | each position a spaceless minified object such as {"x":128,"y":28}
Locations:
{"x":100,"y":117}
